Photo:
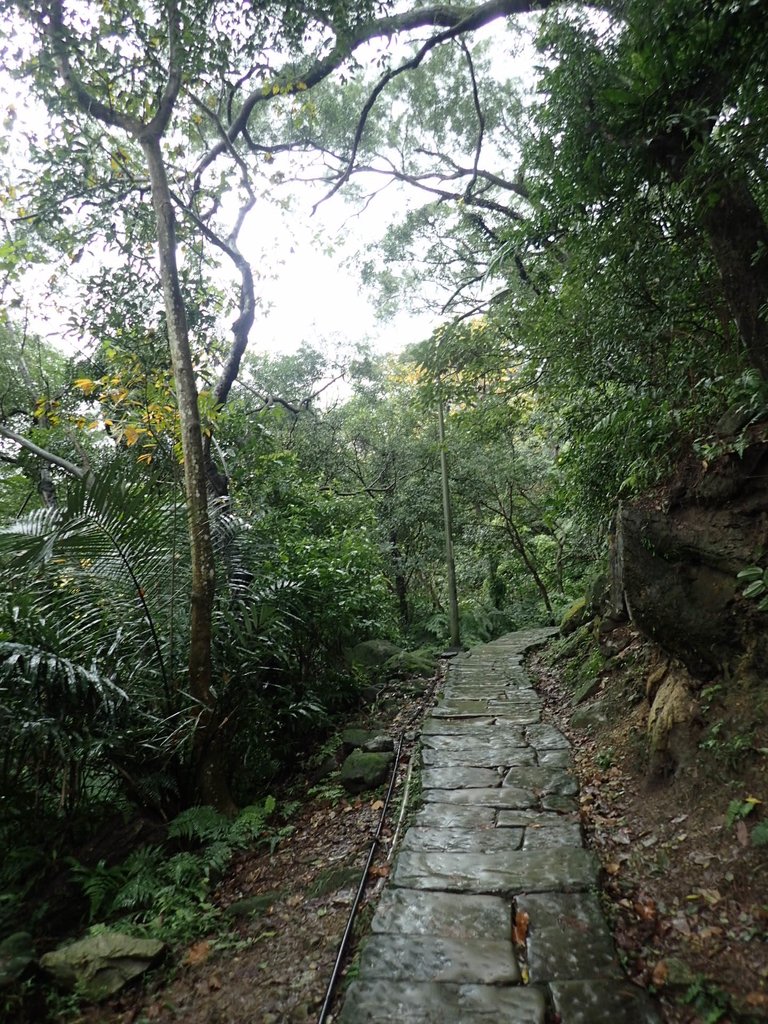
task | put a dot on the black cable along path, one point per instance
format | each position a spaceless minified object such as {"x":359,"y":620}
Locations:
{"x":496,"y":840}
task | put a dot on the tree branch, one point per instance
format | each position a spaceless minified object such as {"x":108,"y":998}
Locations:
{"x":456,"y":20}
{"x":54,"y":460}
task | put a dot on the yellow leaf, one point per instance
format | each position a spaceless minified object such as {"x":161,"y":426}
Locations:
{"x":131,"y":435}
{"x":145,"y":458}
{"x":94,"y":425}
{"x":275,"y":90}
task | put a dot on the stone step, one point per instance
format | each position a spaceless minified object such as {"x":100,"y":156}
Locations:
{"x":497,"y":834}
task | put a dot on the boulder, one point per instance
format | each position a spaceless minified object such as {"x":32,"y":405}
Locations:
{"x":372,"y":653}
{"x":100,"y":965}
{"x":411,"y":663}
{"x":355,"y":738}
{"x":363,"y":770}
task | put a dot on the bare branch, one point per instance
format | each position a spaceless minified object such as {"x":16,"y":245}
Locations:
{"x":54,"y":460}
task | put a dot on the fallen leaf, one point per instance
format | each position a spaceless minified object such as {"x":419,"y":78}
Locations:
{"x":613,"y":868}
{"x":659,"y":974}
{"x":379,"y":871}
{"x":520,"y":929}
{"x":214,"y":983}
{"x":646,"y":911}
{"x":756,"y":999}
{"x":377,"y":805}
{"x":741,"y":833}
{"x":712,"y":896}
{"x":198,"y":953}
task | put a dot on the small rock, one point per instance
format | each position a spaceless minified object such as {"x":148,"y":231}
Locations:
{"x":591,"y":716}
{"x":252,"y":906}
{"x":379,"y":745}
{"x":587,"y":690}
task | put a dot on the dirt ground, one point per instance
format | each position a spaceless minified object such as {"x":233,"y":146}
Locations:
{"x":286,"y":909}
{"x":685,"y":890}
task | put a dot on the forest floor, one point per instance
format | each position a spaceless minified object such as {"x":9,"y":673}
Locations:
{"x":684,"y":888}
{"x":685,"y":891}
{"x":285,"y":910}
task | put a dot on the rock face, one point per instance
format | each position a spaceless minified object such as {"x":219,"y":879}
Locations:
{"x":100,"y":965}
{"x":672,"y":721}
{"x":675,"y":562}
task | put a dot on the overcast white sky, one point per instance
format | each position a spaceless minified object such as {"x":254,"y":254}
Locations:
{"x":317,"y":297}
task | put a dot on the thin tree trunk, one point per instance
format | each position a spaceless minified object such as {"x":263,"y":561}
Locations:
{"x":210,"y":780}
{"x":453,"y":600}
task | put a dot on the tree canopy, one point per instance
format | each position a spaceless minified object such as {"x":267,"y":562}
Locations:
{"x":195,"y":533}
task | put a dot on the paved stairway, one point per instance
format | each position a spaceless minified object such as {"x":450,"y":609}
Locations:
{"x":497,"y":836}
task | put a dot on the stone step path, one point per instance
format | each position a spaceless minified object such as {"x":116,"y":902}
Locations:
{"x":496,"y":837}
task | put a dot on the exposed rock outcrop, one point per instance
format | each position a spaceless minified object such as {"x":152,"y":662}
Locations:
{"x":675,"y":562}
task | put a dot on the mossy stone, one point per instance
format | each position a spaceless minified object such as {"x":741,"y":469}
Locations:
{"x":574,"y":617}
{"x":363,"y":770}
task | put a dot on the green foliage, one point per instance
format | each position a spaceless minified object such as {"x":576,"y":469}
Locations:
{"x":728,"y":747}
{"x":710,"y":1002}
{"x":166,"y":894}
{"x":738,"y":810}
{"x":757,"y":580}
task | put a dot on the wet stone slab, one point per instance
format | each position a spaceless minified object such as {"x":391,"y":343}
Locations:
{"x":450,"y":915}
{"x":560,"y":870}
{"x":568,"y":938}
{"x":602,"y":1002}
{"x":560,"y":804}
{"x":516,"y":713}
{"x":458,"y":840}
{"x":564,"y":834}
{"x":546,"y":737}
{"x":547,"y":781}
{"x":533,"y":819}
{"x":504,"y":797}
{"x":460,"y":778}
{"x":555,"y":758}
{"x":428,"y":958}
{"x":461,"y":709}
{"x":483,"y":736}
{"x":460,"y":726}
{"x":478,"y":756}
{"x":379,"y":1001}
{"x":437,"y":815}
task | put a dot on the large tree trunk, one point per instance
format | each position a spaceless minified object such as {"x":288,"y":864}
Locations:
{"x":738,"y":236}
{"x":210,"y":781}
